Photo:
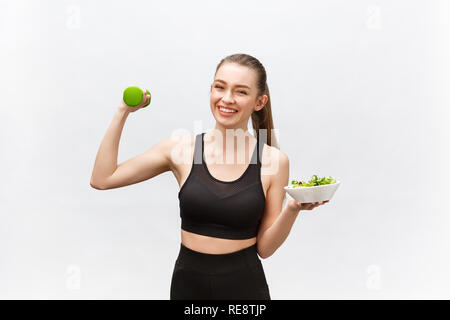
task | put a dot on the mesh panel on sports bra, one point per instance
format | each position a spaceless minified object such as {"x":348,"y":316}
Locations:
{"x":223,"y":209}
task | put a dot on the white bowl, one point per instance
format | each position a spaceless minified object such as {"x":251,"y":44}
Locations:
{"x":313,"y":194}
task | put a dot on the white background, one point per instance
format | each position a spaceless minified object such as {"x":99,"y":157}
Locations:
{"x":359,"y":91}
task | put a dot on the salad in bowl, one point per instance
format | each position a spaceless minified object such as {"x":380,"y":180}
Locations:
{"x":315,"y":190}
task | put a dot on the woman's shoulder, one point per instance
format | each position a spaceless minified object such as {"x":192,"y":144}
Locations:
{"x":273,"y":160}
{"x":181,"y":148}
{"x":271,"y":153}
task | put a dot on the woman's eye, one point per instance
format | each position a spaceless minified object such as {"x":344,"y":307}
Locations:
{"x":222,"y":88}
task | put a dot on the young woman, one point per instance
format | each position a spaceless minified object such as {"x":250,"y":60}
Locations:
{"x":231,"y":210}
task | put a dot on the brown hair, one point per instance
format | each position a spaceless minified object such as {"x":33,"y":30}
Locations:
{"x":261,"y":119}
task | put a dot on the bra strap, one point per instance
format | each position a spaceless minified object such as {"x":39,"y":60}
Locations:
{"x":198,"y":149}
{"x":261,"y":140}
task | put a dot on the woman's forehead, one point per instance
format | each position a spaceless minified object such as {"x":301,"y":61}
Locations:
{"x":235,"y":75}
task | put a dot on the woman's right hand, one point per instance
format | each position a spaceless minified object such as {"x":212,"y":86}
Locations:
{"x":126,"y":108}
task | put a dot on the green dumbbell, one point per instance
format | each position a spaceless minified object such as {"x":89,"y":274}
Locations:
{"x":133,"y":96}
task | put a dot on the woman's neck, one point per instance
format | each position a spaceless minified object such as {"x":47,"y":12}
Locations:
{"x":230,"y":145}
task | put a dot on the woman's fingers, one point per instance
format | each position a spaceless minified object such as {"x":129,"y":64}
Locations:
{"x":316,"y":204}
{"x":311,"y":205}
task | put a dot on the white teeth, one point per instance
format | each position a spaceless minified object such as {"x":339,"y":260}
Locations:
{"x":226,"y":110}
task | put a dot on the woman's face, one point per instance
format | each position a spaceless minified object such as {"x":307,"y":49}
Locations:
{"x":234,"y":86}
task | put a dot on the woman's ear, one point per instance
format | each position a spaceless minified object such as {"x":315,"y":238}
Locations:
{"x":258,"y":108}
{"x":261,"y":102}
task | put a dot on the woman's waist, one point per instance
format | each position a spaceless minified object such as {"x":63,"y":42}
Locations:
{"x":213,"y":245}
{"x":196,"y":259}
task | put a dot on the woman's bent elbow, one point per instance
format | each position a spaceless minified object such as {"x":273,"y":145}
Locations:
{"x":263,"y":255}
{"x":96,"y":186}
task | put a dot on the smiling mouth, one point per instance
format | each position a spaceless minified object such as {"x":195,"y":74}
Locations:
{"x":226,"y":110}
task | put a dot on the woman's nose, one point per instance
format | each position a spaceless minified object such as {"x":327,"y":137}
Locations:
{"x":228,"y":97}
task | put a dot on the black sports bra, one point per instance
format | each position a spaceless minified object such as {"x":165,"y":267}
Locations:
{"x":222,"y":209}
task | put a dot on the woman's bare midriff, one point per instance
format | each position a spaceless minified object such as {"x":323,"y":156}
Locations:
{"x":213,"y":245}
{"x":206,"y":244}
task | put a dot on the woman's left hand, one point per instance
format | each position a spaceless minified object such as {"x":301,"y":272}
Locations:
{"x":296,"y":206}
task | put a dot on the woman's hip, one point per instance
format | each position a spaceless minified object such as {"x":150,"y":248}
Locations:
{"x":212,"y":264}
{"x":236,"y":275}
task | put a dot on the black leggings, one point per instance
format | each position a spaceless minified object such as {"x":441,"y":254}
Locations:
{"x":235,"y":275}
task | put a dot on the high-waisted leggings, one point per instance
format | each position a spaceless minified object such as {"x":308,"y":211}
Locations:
{"x":235,"y":275}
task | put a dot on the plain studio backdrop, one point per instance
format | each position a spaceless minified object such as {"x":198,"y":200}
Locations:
{"x":358,"y":92}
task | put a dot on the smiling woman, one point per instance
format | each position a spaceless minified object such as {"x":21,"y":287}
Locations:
{"x":224,"y":207}
{"x":231,"y":214}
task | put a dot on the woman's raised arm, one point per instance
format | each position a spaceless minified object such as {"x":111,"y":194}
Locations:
{"x":106,"y":174}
